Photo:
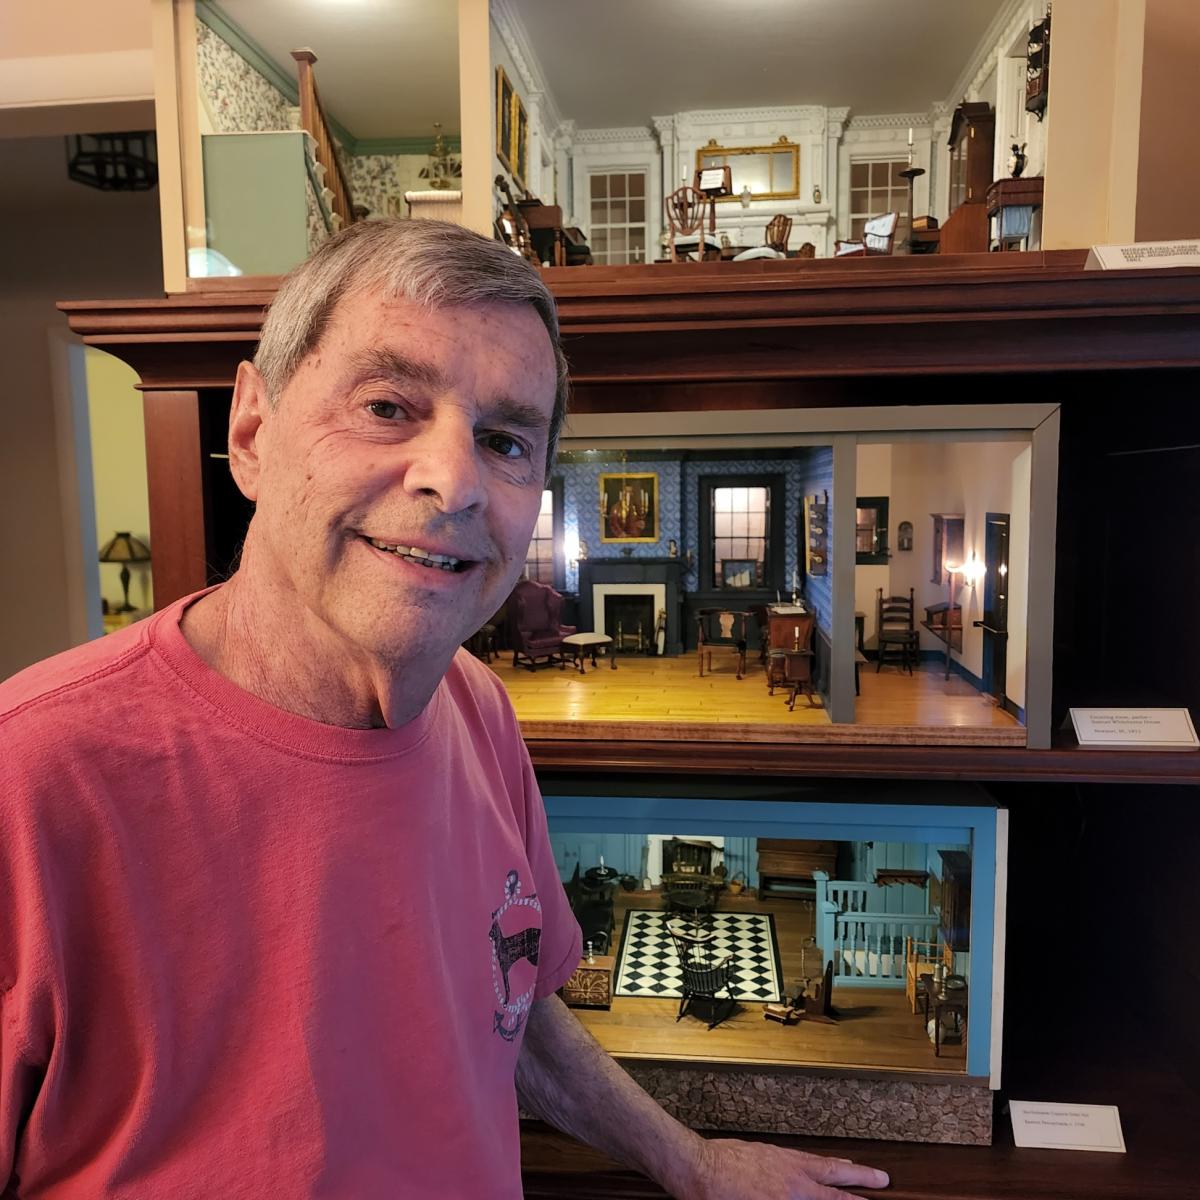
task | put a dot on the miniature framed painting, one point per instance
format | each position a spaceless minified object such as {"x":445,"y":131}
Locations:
{"x":520,"y":144}
{"x":739,"y":572}
{"x":629,"y":507}
{"x":504,"y":118}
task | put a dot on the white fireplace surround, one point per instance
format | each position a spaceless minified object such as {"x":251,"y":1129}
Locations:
{"x":658,"y":591}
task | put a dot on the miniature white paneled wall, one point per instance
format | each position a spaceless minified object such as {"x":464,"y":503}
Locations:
{"x":563,"y":157}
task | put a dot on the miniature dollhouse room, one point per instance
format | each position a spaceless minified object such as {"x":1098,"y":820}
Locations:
{"x":825,"y":930}
{"x":702,"y":584}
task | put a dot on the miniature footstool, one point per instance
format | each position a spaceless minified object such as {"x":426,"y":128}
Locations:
{"x":581,"y":644}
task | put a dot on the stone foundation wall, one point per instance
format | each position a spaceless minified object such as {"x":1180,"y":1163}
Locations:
{"x":762,"y":1100}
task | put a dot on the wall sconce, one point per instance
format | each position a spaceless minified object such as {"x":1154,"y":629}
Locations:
{"x":972,"y":571}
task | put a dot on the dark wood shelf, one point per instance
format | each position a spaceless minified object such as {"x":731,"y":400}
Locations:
{"x":1159,"y":1116}
{"x":1064,"y":764}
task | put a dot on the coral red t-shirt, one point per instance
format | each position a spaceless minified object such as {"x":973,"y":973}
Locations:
{"x":245,"y":954}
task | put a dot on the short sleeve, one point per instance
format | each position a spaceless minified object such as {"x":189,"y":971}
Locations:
{"x":561,"y":939}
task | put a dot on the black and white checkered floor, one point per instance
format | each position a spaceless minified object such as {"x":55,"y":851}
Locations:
{"x":649,"y":966}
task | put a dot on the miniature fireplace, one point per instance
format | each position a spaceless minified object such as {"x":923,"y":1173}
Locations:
{"x":636,"y":602}
{"x":654,"y":579}
{"x":631,"y":621}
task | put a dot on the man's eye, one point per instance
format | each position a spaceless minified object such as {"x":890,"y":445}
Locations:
{"x":507,"y":447}
{"x":383,"y":408}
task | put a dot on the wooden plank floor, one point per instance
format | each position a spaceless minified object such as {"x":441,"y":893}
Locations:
{"x":666,"y":698}
{"x":878,"y":1031}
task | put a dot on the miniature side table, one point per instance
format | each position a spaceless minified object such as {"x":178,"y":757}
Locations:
{"x":592,"y":983}
{"x":583,"y":644}
{"x":952,"y":1000}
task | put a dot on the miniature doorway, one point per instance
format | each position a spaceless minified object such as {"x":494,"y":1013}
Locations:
{"x":995,"y":606}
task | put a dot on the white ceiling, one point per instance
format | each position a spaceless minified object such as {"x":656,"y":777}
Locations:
{"x":389,"y":68}
{"x":620,"y":62}
{"x":385,"y":68}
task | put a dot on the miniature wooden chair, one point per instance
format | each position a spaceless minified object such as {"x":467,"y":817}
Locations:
{"x":879,"y":234}
{"x":896,"y":630}
{"x":686,"y":210}
{"x":722,"y":627}
{"x":779,"y":229}
{"x":705,"y":976}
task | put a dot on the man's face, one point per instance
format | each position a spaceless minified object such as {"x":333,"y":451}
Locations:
{"x":400,"y":475}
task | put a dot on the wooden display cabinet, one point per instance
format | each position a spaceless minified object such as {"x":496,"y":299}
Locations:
{"x":775,"y":335}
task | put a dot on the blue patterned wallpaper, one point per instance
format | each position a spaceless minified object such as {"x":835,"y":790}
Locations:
{"x":816,"y":476}
{"x":679,"y":490}
{"x":581,"y":509}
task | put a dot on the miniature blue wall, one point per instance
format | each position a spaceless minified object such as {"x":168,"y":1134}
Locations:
{"x":816,"y":478}
{"x":590,"y":817}
{"x":581,"y":509}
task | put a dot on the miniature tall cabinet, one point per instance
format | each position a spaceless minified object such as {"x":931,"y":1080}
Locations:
{"x":1102,"y":844}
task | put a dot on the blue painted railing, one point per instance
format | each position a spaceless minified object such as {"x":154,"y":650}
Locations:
{"x":866,"y":948}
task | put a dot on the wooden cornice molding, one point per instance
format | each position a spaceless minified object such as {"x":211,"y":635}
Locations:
{"x":1065,"y":764}
{"x":676,"y":326}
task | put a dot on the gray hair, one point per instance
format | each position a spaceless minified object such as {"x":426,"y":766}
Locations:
{"x":431,"y":263}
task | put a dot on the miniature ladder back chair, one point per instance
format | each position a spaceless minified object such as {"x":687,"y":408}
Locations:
{"x":896,"y":630}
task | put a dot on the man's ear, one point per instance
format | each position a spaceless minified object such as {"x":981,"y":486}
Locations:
{"x":247,"y":414}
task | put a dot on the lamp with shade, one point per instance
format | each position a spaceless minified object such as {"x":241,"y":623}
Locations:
{"x":124,"y":548}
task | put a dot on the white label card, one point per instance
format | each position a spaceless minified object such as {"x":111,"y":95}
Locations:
{"x":1135,"y":728}
{"x":1067,"y":1126}
{"x":1140,"y":255}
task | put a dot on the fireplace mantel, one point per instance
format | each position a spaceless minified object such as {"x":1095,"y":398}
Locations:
{"x":665,"y":571}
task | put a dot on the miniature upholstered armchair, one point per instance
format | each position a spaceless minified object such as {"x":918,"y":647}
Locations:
{"x":537,"y":633}
{"x":878,"y":237}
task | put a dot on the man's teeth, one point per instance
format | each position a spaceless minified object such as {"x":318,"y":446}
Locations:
{"x":423,"y":558}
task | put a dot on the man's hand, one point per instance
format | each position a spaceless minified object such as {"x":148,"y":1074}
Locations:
{"x":564,"y":1077}
{"x":736,"y":1170}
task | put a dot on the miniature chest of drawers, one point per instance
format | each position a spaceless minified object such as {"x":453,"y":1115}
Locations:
{"x":592,"y":983}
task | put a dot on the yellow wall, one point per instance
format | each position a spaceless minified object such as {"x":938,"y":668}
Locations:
{"x":118,"y":438}
{"x":1121,"y":164}
{"x":1169,"y":157}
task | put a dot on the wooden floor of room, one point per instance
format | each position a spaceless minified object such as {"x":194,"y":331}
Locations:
{"x":665,"y":696}
{"x":878,"y":1030}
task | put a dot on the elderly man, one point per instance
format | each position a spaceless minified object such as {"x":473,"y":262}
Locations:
{"x":278,"y":911}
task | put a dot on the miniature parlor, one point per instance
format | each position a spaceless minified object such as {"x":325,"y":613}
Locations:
{"x":703,"y":585}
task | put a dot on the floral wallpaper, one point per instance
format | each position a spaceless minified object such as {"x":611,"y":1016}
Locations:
{"x":241,"y":100}
{"x":238,"y":97}
{"x":380,"y":180}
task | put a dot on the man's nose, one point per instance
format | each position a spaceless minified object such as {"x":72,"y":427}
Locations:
{"x":445,"y":467}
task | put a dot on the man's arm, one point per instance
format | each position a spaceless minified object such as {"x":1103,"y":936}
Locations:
{"x":567,"y":1079}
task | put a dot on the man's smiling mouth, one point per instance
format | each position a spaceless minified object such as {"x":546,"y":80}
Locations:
{"x":421,"y":557}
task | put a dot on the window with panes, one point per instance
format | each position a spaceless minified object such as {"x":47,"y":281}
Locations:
{"x":877,"y":188}
{"x":618,"y":217}
{"x":539,"y":560}
{"x":741,"y":522}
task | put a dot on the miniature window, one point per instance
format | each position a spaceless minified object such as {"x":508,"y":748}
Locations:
{"x":543,"y":560}
{"x":741,"y":523}
{"x":876,"y":188}
{"x":947,"y":545}
{"x":871,"y":530}
{"x":618,"y":217}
